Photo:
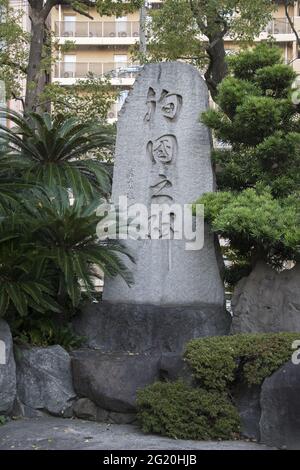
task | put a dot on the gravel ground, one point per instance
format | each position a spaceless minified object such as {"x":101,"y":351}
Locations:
{"x":68,"y":434}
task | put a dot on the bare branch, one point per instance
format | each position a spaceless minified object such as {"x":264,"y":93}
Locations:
{"x":36,"y":4}
{"x":48,"y":7}
{"x":82,"y":13}
{"x":18,"y":98}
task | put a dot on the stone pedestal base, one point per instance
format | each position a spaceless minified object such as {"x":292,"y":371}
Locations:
{"x":148,"y":328}
{"x":130,"y":346}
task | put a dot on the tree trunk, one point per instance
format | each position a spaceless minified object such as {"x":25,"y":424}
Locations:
{"x":35,"y":79}
{"x":217,"y":69}
{"x":143,"y":43}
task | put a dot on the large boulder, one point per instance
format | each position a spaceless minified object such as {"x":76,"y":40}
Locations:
{"x":44,"y":379}
{"x":84,"y":408}
{"x":112,"y":380}
{"x":7,"y":369}
{"x":280,"y":405}
{"x":247,"y":401}
{"x":267,"y":301}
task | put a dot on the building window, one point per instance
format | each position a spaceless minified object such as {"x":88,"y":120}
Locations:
{"x":69,"y":68}
{"x":69,"y":25}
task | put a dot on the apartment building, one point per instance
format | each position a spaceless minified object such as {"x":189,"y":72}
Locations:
{"x":101,"y":45}
{"x":281,"y":31}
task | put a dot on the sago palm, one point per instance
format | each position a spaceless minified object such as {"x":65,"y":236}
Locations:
{"x":12,"y":184}
{"x":56,"y":152}
{"x":50,"y":253}
{"x":24,"y":280}
{"x":65,"y":235}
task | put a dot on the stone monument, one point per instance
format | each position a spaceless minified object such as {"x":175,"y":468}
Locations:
{"x":163,"y":156}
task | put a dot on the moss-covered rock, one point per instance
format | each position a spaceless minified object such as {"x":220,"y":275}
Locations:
{"x":179,"y":411}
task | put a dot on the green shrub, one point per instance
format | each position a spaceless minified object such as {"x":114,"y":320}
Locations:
{"x":218,"y":362}
{"x":181,"y":412}
{"x":256,"y":222}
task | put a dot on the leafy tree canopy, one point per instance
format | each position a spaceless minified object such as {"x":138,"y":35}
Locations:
{"x":13,"y":49}
{"x":30,"y":57}
{"x":117,"y":7}
{"x":195,"y":30}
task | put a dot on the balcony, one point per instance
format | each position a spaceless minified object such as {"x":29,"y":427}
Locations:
{"x":280,"y":29}
{"x":67,"y":73}
{"x":98,"y":32}
{"x":279,"y":26}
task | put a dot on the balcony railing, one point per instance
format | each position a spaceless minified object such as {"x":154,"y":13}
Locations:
{"x":100,"y":29}
{"x":279,"y":26}
{"x":97,"y":69}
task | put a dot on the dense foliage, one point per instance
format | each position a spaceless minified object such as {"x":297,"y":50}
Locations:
{"x":219,"y":362}
{"x":258,"y":225}
{"x":195,"y":30}
{"x":257,"y":207}
{"x":182,"y":412}
{"x":177,"y":26}
{"x":31,"y":57}
{"x":206,"y":410}
{"x":50,"y":254}
{"x":88,"y":99}
{"x":13,"y":50}
{"x":57,"y":152}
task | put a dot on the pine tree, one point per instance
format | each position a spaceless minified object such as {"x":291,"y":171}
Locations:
{"x":257,"y":206}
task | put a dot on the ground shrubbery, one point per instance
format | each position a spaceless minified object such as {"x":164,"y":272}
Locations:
{"x":182,"y":412}
{"x":206,"y":411}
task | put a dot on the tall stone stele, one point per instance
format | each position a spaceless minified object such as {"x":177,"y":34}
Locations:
{"x":163,"y":156}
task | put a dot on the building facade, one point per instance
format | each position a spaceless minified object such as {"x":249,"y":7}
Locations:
{"x":102,"y":46}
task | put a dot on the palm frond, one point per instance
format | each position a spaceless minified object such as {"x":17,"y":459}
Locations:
{"x":54,"y":152}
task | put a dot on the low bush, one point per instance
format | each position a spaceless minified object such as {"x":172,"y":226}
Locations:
{"x":182,"y":412}
{"x":218,"y":362}
{"x":207,"y":410}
